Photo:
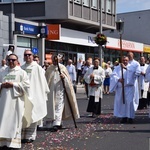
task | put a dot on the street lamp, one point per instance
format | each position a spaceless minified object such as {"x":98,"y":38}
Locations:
{"x":119,"y":28}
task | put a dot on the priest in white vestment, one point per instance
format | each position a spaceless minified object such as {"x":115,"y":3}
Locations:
{"x":14,"y":86}
{"x":94,"y":77}
{"x":136,"y":67}
{"x":38,"y":90}
{"x":58,"y":108}
{"x":124,"y":111}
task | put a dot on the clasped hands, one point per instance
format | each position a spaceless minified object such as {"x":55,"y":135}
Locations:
{"x":7,"y":85}
{"x":121,"y":80}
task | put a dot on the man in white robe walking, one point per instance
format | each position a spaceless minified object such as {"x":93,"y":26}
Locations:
{"x":37,"y":109}
{"x":14,"y":86}
{"x":124,"y":111}
{"x":58,"y":107}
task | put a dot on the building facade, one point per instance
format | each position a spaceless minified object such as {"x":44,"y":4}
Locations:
{"x":76,"y":15}
{"x":136,"y":28}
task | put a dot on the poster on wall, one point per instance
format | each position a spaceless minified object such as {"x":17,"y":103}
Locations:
{"x":80,"y":56}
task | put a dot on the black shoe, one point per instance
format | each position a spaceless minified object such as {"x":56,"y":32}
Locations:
{"x":27,"y":141}
{"x":41,"y":129}
{"x":59,"y":127}
{"x":123,"y":120}
{"x":130,"y":120}
{"x":55,"y":128}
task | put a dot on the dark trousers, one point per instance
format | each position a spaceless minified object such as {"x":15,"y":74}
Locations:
{"x":143,"y":102}
{"x":86,"y":89}
{"x":79,"y":74}
{"x":94,"y":107}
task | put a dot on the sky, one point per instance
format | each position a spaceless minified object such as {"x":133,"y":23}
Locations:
{"x":132,"y":5}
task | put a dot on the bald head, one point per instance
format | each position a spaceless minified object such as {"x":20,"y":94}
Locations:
{"x":3,"y":62}
{"x":69,"y":61}
{"x":130,"y":55}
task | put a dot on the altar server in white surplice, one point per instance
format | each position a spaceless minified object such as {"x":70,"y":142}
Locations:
{"x":94,"y":77}
{"x":143,"y":86}
{"x":38,"y":90}
{"x":147,"y":79}
{"x":124,"y":111}
{"x":14,"y":85}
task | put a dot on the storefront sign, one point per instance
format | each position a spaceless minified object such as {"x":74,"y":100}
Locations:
{"x":53,"y":32}
{"x":26,"y":28}
{"x":126,"y":45}
{"x":146,"y":49}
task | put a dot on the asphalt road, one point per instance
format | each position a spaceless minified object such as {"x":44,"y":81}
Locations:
{"x":101,"y":133}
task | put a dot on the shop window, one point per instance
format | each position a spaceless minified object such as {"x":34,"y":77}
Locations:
{"x":6,"y":0}
{"x":26,"y":42}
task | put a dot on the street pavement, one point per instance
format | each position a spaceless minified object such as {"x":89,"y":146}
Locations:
{"x":100,"y":133}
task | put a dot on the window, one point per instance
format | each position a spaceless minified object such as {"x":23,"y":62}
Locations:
{"x":86,"y":2}
{"x":103,"y":4}
{"x":77,"y":1}
{"x":94,"y":4}
{"x":6,"y":0}
{"x":113,"y":6}
{"x":108,"y":6}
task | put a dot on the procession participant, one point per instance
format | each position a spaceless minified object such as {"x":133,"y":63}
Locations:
{"x":143,"y":86}
{"x":94,"y":77}
{"x":46,"y":65}
{"x":124,"y":111}
{"x":86,"y":67}
{"x":37,"y":59}
{"x":79,"y":70}
{"x":38,"y":90}
{"x":10,"y":51}
{"x":72,"y":72}
{"x":14,"y":85}
{"x":3,"y":65}
{"x":136,"y":66}
{"x":58,"y":106}
{"x":108,"y":72}
{"x":147,"y":79}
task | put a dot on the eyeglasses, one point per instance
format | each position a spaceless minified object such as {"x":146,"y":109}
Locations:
{"x":12,"y":60}
{"x":27,"y":54}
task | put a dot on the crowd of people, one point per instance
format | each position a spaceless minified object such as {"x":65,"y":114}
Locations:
{"x":34,"y":96}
